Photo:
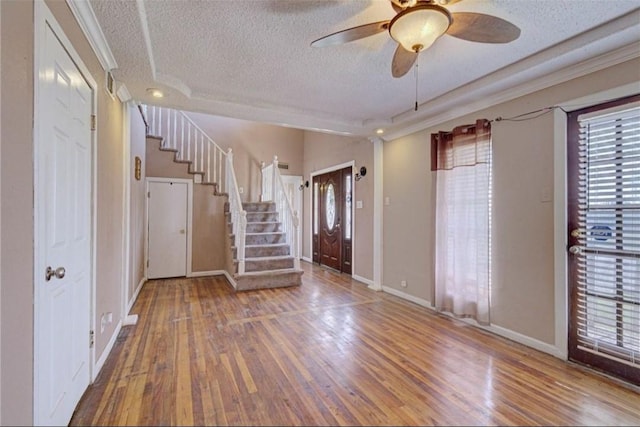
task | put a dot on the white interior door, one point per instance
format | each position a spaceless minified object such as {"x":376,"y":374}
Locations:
{"x":168,"y":226}
{"x":63,"y":233}
{"x":292,"y":189}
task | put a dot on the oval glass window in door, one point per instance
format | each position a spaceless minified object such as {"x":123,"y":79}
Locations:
{"x":330,"y":207}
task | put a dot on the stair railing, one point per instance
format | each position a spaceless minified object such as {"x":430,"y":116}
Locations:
{"x":273,"y":190}
{"x":191,"y":144}
{"x":237,"y":212}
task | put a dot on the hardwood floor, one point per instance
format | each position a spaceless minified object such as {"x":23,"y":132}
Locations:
{"x":330,"y":352}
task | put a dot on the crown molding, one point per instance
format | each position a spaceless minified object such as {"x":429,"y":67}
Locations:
{"x":123,"y":93}
{"x":88,"y":22}
{"x":463,"y":106}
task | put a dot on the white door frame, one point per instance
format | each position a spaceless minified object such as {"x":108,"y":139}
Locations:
{"x":189,"y":183}
{"x":42,"y":18}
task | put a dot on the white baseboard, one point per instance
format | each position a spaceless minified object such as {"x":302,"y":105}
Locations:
{"x":304,"y":258}
{"x":135,"y":294}
{"x":100,"y":362}
{"x":207,"y":273}
{"x":523,"y":339}
{"x":408,"y":297}
{"x":130,"y":320}
{"x":230,"y":279}
{"x":370,"y":284}
{"x":498,"y":330}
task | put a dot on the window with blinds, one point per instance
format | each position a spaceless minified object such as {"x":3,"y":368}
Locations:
{"x":606,"y":250}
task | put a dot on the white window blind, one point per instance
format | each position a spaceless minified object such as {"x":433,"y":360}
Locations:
{"x":608,"y":276}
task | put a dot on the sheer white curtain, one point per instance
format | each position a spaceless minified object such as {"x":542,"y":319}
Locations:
{"x":463,"y":220}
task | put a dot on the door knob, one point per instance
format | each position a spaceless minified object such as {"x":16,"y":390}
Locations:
{"x":50,"y":272}
{"x":575,"y":250}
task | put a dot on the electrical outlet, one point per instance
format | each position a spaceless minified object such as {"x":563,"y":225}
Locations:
{"x":403,"y":283}
{"x":240,"y":190}
{"x":105,"y":319}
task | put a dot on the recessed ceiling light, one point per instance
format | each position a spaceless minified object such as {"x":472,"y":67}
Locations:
{"x":156,"y":93}
{"x":379,"y":131}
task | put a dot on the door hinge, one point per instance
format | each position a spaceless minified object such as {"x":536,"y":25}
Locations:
{"x":91,"y":338}
{"x":147,"y":263}
{"x":93,"y":122}
{"x":148,"y":194}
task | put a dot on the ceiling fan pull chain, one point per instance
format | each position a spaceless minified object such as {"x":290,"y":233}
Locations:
{"x":416,"y":106}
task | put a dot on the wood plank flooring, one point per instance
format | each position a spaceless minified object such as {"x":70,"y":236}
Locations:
{"x":330,"y":352}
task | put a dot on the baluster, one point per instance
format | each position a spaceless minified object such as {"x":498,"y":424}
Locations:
{"x":195,"y":151}
{"x":175,"y":129}
{"x":167,"y":137}
{"x":208,"y":162}
{"x":160,"y":133}
{"x":153,"y":122}
{"x":202,"y":153}
{"x":182,"y":138}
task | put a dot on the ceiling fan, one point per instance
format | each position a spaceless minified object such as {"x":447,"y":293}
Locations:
{"x":419,"y":23}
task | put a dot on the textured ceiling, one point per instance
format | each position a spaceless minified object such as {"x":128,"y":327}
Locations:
{"x":252,"y":59}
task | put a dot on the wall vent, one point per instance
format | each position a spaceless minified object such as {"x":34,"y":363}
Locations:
{"x":283,"y":165}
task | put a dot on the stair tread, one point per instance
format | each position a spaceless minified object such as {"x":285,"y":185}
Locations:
{"x":269,"y":258}
{"x":258,"y":233}
{"x":269,"y":272}
{"x":268,"y":245}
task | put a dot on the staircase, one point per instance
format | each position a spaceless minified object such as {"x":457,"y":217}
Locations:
{"x":268,"y":262}
{"x":259,"y":234}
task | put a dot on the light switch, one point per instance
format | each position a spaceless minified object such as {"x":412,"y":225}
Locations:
{"x":359,"y":204}
{"x":387,"y":202}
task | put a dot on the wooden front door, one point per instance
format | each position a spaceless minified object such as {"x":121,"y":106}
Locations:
{"x":332,"y":225}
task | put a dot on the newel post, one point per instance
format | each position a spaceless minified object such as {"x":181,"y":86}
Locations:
{"x":227,"y":183}
{"x":273,"y":179}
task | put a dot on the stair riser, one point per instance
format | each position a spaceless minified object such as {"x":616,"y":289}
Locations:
{"x":266,"y":227}
{"x":265,"y":265}
{"x":263,"y":251}
{"x":259,"y":207}
{"x":265,"y":239}
{"x":262,"y":216}
{"x":248,"y":283}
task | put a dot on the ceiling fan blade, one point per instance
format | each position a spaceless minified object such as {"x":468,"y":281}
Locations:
{"x":478,"y":27}
{"x":351,"y":34}
{"x":403,"y":60}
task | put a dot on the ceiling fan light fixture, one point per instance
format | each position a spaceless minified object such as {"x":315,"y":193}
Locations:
{"x":416,"y":28}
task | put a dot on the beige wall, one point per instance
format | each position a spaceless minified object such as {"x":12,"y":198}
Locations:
{"x":17,"y":211}
{"x":523,"y":221}
{"x":136,"y":200}
{"x":253,"y":143}
{"x":17,"y":201}
{"x":322,"y":151}
{"x":207,"y":245}
{"x":0,"y":219}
